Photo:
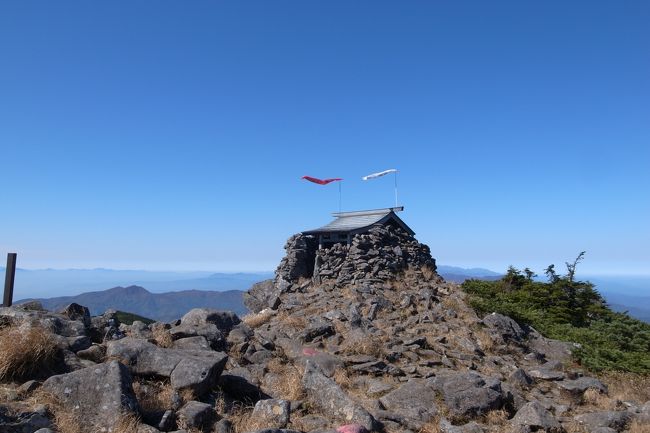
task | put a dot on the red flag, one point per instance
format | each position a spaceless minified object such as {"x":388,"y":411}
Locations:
{"x":321,"y":181}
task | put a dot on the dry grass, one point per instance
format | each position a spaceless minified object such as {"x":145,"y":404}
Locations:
{"x":66,"y":421}
{"x":128,"y":423}
{"x":371,"y":346}
{"x":295,"y":322}
{"x":432,"y":426}
{"x":627,"y":386}
{"x":27,"y":354}
{"x":496,"y":417}
{"x":258,"y":319}
{"x":428,"y":273}
{"x":154,"y":397}
{"x":161,"y":336}
{"x":342,"y":379}
{"x":240,"y":417}
{"x":638,"y":427}
{"x":484,"y":339}
{"x":290,"y":387}
{"x":596,"y":398}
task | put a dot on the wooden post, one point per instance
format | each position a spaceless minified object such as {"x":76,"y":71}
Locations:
{"x":10,"y":275}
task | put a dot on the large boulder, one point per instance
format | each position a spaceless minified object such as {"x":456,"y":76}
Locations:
{"x":504,"y":327}
{"x":415,"y":401}
{"x":99,"y":395}
{"x":260,"y":296}
{"x":329,"y":398}
{"x":612,"y":419}
{"x":196,"y":370}
{"x":224,"y":320}
{"x":469,"y":394}
{"x":535,"y":416}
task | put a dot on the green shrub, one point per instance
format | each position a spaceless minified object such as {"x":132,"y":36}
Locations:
{"x":568,"y":310}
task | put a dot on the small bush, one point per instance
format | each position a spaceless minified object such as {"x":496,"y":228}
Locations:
{"x":27,"y":354}
{"x":568,"y":310}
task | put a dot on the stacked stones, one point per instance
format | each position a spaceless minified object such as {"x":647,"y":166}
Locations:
{"x":381,"y":254}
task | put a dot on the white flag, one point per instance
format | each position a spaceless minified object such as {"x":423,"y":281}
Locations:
{"x":381,"y":173}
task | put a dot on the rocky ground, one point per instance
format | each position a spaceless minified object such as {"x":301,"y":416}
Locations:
{"x":387,"y":347}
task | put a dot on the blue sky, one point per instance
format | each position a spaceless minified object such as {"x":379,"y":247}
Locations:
{"x":173,"y":135}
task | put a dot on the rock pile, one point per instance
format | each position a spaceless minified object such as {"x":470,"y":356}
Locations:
{"x":371,"y":340}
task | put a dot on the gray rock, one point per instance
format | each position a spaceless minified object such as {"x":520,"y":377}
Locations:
{"x":198,"y":342}
{"x":78,"y":343}
{"x":77,"y":312}
{"x":615,"y":420}
{"x":196,"y":370}
{"x":28,"y":387}
{"x":469,"y":394}
{"x":503,"y":326}
{"x":195,"y":414}
{"x":259,"y":296}
{"x":241,"y":384}
{"x":209,"y":331}
{"x":328,"y":397}
{"x":98,"y":395}
{"x":447,"y":427}
{"x":167,"y":421}
{"x":271,"y":413}
{"x":139,"y":329}
{"x":415,"y":401}
{"x":521,"y":378}
{"x":535,"y":416}
{"x":581,"y":384}
{"x":95,"y":353}
{"x":224,"y":320}
{"x":223,"y":426}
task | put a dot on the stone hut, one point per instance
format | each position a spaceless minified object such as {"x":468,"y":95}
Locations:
{"x":355,"y":247}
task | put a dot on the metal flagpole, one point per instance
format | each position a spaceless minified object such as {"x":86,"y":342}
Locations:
{"x":340,"y":182}
{"x":395,"y":188}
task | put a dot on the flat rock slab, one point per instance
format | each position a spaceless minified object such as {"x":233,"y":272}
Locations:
{"x":535,"y":416}
{"x":469,"y":394}
{"x":98,"y":394}
{"x":614,"y":420}
{"x":580,"y":385}
{"x":415,"y":401}
{"x":271,"y":413}
{"x":197,"y":370}
{"x":329,"y":398}
{"x":195,"y":414}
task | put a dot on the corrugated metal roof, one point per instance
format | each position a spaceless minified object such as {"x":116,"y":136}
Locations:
{"x":359,"y":220}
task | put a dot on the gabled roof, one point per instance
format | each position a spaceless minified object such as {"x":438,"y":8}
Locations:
{"x":360,"y":221}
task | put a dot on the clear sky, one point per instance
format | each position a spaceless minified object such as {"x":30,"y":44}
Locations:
{"x":173,"y":135}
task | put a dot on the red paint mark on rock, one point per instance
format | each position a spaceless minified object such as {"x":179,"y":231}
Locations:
{"x":352,"y":428}
{"x":308,"y":351}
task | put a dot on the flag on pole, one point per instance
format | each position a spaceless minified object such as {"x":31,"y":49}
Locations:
{"x":321,"y":181}
{"x":379,"y":174}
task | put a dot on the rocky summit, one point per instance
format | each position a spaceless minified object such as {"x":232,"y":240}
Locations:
{"x":358,"y":337}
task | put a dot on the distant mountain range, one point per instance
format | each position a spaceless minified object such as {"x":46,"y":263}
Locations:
{"x":45,"y":283}
{"x":158,"y":306}
{"x":168,"y":295}
{"x":458,"y":275}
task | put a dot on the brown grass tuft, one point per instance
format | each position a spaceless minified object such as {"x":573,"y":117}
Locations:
{"x":372,"y":346}
{"x":258,"y":319}
{"x":638,"y":427}
{"x":596,"y":398}
{"x":154,"y":397}
{"x":128,"y":423}
{"x":161,"y":336}
{"x":342,"y":379}
{"x":496,"y":417}
{"x":627,"y":386}
{"x":27,"y":354}
{"x":240,"y":417}
{"x":290,"y":387}
{"x":432,"y":426}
